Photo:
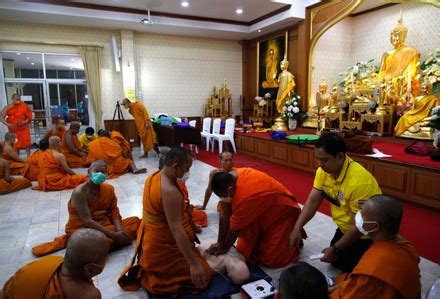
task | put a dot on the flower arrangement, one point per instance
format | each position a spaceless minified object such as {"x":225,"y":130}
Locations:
{"x":261,"y":103}
{"x":431,"y":68}
{"x":291,"y":108}
{"x":360,"y":71}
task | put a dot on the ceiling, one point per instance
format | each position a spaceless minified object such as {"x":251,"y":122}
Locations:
{"x":202,"y":18}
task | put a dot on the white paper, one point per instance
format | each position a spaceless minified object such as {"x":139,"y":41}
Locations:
{"x":378,"y":154}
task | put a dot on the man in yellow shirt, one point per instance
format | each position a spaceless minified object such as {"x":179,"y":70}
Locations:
{"x":346,"y":185}
{"x":87,"y":137}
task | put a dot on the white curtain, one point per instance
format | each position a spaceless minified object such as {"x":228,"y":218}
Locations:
{"x":91,"y":57}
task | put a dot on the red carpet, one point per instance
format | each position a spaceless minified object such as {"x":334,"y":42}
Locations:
{"x":419,"y":225}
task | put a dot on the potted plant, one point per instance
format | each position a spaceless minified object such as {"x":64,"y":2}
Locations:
{"x":292,"y":113}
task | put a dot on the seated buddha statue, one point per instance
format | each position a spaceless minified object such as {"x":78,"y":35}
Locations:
{"x":412,"y":123}
{"x":333,"y":104}
{"x":323,"y":100}
{"x":401,"y":61}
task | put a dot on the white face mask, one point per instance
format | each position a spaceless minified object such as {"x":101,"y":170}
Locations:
{"x":360,"y":224}
{"x":185,"y":176}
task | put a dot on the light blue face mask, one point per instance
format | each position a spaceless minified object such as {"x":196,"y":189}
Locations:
{"x":98,"y":178}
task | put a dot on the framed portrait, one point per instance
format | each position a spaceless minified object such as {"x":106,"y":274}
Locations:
{"x":270,"y":53}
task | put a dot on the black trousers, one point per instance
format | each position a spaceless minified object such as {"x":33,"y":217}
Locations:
{"x":348,"y":258}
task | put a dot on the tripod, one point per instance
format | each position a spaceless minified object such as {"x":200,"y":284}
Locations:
{"x":121,"y":125}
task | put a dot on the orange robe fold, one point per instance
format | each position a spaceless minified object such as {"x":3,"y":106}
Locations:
{"x":104,"y":209}
{"x":32,"y":169}
{"x":108,"y":150}
{"x":199,"y":217}
{"x":15,"y":168}
{"x":264,"y":212}
{"x":14,"y":185}
{"x":15,"y":115}
{"x":123,"y":143}
{"x":38,"y":279}
{"x":140,"y":114}
{"x":73,"y":160}
{"x":164,"y":270}
{"x":53,"y":177}
{"x":57,"y":132}
{"x":387,"y":270}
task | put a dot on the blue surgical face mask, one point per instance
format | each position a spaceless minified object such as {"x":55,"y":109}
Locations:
{"x":98,"y":178}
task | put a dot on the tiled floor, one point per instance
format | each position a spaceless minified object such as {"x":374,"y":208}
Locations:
{"x":31,"y":217}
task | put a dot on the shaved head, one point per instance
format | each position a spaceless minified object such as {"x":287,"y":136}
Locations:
{"x":103,"y":133}
{"x":61,"y":123}
{"x":387,"y":211}
{"x":74,"y":125}
{"x":43,"y":144}
{"x":221,"y":181}
{"x":162,"y":161}
{"x":85,"y":246}
{"x":125,"y":101}
{"x":15,"y":96}
{"x":98,"y":165}
{"x":54,"y":142}
{"x":177,"y":155}
{"x":10,"y":136}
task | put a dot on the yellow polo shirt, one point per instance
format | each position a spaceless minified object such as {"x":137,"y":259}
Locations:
{"x":85,"y":142}
{"x":348,"y":192}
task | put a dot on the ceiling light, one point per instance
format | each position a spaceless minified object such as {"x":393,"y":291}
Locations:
{"x":32,"y":63}
{"x":148,"y":20}
{"x":72,"y":59}
{"x":18,"y":53}
{"x":259,"y":30}
{"x":184,"y":3}
{"x":27,"y":58}
{"x":239,"y":11}
{"x":71,"y":68}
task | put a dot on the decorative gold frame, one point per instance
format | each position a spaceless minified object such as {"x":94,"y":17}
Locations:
{"x":314,"y":36}
{"x":286,"y":36}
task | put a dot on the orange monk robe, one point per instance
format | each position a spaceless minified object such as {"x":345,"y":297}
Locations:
{"x":38,"y":279}
{"x":164,"y":270}
{"x":198,"y":216}
{"x":15,"y":115}
{"x":15,"y":168}
{"x":73,"y":160}
{"x":387,"y":270}
{"x":106,"y":149}
{"x":123,"y":143}
{"x":264,"y":212}
{"x":57,"y":132}
{"x":53,"y":177}
{"x":32,"y":169}
{"x":140,"y":114}
{"x":104,"y":209}
{"x":14,"y":185}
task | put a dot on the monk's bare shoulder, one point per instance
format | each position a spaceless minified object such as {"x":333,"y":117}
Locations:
{"x":4,"y":162}
{"x":86,"y":289}
{"x":168,"y":189}
{"x":80,"y":192}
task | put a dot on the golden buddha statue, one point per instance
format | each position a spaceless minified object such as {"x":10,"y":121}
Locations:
{"x":322,"y":99}
{"x":415,"y":122}
{"x":401,"y":61}
{"x":286,"y":84}
{"x":333,"y":104}
{"x":271,"y":70}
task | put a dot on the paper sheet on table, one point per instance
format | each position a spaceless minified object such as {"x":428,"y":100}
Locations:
{"x":378,"y":154}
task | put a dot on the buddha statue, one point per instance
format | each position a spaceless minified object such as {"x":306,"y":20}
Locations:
{"x":322,"y":99}
{"x":333,"y":104}
{"x":271,"y":70}
{"x":286,"y":84}
{"x":401,"y":61}
{"x":414,"y":123}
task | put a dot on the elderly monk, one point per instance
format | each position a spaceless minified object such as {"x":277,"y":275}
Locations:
{"x":94,"y":205}
{"x":55,"y":174}
{"x":17,"y":166}
{"x":227,"y":163}
{"x":123,"y":143}
{"x":57,"y":277}
{"x":33,"y":169}
{"x":8,"y":184}
{"x":169,"y":262}
{"x":71,"y":147}
{"x":143,"y":125}
{"x":17,"y":116}
{"x":260,"y":212}
{"x":199,"y":218}
{"x":58,"y":130}
{"x":108,"y":150}
{"x":389,"y":268}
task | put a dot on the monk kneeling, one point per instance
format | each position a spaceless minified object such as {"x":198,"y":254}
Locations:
{"x":8,"y":184}
{"x":33,"y":169}
{"x":94,"y":205}
{"x":109,"y":151}
{"x":55,"y":174}
{"x":71,"y":147}
{"x":17,"y":166}
{"x":68,"y":277}
{"x":390,"y":267}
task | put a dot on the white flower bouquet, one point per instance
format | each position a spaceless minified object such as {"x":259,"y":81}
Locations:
{"x":291,"y":108}
{"x":431,"y":68}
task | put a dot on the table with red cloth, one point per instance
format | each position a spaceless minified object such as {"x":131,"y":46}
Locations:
{"x":173,"y":136}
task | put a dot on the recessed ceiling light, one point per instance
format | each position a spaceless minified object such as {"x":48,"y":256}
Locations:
{"x":71,"y":68}
{"x":239,"y":11}
{"x":72,"y":59}
{"x":27,"y":58}
{"x":259,"y":30}
{"x":184,"y":3}
{"x":18,"y":53}
{"x":32,"y":63}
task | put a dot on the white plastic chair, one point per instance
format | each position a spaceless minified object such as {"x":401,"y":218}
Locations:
{"x":206,"y":131}
{"x":193,"y":124}
{"x":227,"y":136}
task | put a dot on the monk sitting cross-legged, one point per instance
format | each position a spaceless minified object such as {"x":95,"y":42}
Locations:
{"x":8,"y":184}
{"x":55,"y":174}
{"x":58,"y":130}
{"x":169,"y":262}
{"x":390,"y":266}
{"x":71,"y":147}
{"x":123,"y":143}
{"x":94,"y":205}
{"x":260,"y":212}
{"x":33,"y":169}
{"x":57,"y":277}
{"x":17,"y":166}
{"x":106,"y":149}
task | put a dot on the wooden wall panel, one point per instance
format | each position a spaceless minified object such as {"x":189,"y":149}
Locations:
{"x":263,"y":148}
{"x":392,"y":178}
{"x":248,"y":144}
{"x":281,"y":152}
{"x":299,"y":156}
{"x":426,"y":187}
